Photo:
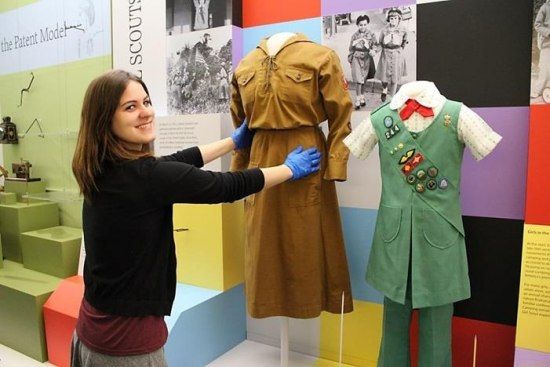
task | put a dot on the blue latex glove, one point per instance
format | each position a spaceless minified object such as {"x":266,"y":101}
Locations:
{"x":303,"y":162}
{"x":242,"y":136}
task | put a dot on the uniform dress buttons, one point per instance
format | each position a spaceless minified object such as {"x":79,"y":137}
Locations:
{"x":299,"y":76}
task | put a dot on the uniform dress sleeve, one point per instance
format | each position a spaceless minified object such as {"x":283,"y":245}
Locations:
{"x":241,"y":157}
{"x":476,"y":133}
{"x":362,"y":140}
{"x":190,"y":156}
{"x":338,"y":107}
{"x":176,"y":182}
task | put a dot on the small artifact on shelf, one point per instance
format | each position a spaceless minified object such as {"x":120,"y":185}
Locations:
{"x":22,"y":172}
{"x":8,"y":131}
{"x":3,"y":173}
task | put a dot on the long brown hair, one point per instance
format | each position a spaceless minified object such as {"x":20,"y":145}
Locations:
{"x":96,"y":142}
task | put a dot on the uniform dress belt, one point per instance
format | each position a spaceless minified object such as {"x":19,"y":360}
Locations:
{"x":289,"y":128}
{"x":391,"y":47}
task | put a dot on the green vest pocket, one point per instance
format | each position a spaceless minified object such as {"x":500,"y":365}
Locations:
{"x":437,"y":230}
{"x":389,"y":222}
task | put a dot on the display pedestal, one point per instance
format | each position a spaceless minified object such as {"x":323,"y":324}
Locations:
{"x":23,"y":292}
{"x":24,"y":187}
{"x":284,"y":342}
{"x":1,"y":255}
{"x":22,"y":217}
{"x":60,"y":315}
{"x":8,"y":198}
{"x":54,"y":251}
{"x":210,"y":244}
{"x":204,"y":324}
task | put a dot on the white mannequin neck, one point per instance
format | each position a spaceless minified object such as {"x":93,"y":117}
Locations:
{"x":276,"y":41}
{"x":414,"y":89}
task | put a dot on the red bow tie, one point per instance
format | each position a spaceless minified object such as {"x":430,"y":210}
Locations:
{"x":412,"y":106}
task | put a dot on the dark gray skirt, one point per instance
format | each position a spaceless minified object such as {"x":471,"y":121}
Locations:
{"x":81,"y":356}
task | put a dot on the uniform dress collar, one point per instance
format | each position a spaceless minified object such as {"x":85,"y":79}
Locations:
{"x":299,"y":37}
{"x":429,"y":95}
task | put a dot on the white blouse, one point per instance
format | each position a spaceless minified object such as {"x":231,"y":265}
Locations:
{"x":472,"y":130}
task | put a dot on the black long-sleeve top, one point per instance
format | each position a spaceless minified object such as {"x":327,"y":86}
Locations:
{"x":130,"y":267}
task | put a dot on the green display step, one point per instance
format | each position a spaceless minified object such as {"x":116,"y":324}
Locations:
{"x":23,"y":217}
{"x":8,"y":198}
{"x":23,"y":292}
{"x":22,"y":187}
{"x":54,"y":251}
{"x":1,"y":255}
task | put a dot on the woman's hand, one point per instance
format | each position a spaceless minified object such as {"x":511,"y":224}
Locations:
{"x":303,"y":162}
{"x":242,"y":136}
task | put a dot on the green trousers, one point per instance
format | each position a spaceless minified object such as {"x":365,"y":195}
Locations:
{"x":434,"y":335}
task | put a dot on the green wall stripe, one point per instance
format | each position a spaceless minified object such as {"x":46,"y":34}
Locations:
{"x":7,"y":5}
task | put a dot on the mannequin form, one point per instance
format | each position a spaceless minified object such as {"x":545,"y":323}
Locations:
{"x":286,"y":87}
{"x":274,"y":44}
{"x":276,"y":41}
{"x":421,"y":137}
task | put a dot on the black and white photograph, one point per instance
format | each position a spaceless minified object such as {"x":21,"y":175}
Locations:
{"x":183,"y":16}
{"x":540,"y":68}
{"x":199,"y":70}
{"x":377,"y":49}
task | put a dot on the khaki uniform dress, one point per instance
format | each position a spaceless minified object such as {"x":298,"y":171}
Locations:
{"x":295,"y":260}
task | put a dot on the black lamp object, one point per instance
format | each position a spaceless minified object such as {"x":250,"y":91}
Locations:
{"x":8,"y":131}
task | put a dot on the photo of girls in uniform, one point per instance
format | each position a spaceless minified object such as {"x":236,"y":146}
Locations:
{"x":377,"y":49}
{"x":197,"y":15}
{"x":540,"y":67}
{"x":199,"y":69}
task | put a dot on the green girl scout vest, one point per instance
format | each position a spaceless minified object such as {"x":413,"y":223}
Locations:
{"x":419,"y":221}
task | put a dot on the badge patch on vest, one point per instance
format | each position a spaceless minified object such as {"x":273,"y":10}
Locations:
{"x":388,"y":121}
{"x":392,"y":131}
{"x":405,"y":157}
{"x":448,"y":120}
{"x":412,"y":164}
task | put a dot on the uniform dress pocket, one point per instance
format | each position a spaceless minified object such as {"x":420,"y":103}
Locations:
{"x":437,"y":230}
{"x":247,"y":86}
{"x":304,"y":192}
{"x":389,"y":222}
{"x":298,"y":86}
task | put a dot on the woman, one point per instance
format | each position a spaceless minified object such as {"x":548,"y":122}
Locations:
{"x":130,"y":269}
{"x":391,"y":66}
{"x":360,"y":58}
{"x":542,"y":26}
{"x":201,"y":14}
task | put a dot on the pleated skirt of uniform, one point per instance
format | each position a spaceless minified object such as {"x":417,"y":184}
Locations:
{"x":391,"y":66}
{"x":295,"y":260}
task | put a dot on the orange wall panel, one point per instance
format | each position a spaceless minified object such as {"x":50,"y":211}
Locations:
{"x":260,"y":12}
{"x":538,"y":173}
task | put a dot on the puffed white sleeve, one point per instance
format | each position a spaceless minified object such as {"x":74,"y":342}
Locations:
{"x":362,"y":139}
{"x":476,"y":134}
